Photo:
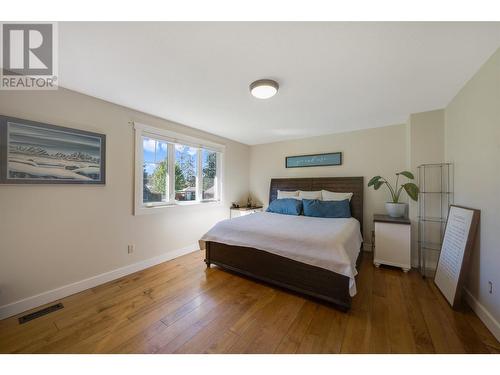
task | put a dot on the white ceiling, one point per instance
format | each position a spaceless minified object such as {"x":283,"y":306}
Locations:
{"x":333,"y":77}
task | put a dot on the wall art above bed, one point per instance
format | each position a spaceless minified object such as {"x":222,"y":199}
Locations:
{"x":315,"y":160}
{"x":37,"y":153}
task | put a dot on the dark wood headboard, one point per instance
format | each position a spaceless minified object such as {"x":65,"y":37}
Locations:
{"x":337,"y":184}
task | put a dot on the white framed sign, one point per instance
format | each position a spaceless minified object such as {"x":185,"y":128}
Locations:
{"x":459,"y":237}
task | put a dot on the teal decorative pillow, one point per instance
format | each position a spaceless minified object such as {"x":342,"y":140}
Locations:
{"x":286,"y":206}
{"x":332,"y":209}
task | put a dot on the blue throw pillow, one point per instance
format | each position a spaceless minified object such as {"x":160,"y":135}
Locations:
{"x":333,"y":209}
{"x":287,"y":206}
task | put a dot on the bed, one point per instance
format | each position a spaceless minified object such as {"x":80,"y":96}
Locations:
{"x":312,"y":256}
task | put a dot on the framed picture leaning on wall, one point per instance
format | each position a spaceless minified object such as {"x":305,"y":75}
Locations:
{"x":38,"y":153}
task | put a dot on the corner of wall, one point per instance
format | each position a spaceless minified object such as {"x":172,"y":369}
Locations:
{"x":425,"y":141}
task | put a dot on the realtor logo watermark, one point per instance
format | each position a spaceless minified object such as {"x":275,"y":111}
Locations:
{"x":28,"y":56}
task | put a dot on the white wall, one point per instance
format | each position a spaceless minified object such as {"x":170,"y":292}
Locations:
{"x":472,"y":143}
{"x":366,"y":153}
{"x":53,"y":235}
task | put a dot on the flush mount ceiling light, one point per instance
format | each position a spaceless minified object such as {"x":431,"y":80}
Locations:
{"x":264,"y":88}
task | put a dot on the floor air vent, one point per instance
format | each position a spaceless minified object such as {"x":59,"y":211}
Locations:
{"x":39,"y":313}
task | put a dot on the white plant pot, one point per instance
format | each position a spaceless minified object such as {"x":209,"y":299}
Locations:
{"x":395,"y":209}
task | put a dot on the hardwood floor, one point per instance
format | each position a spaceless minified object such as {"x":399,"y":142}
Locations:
{"x":181,"y":307}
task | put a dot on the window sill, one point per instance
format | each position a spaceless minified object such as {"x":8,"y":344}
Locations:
{"x":159,"y":208}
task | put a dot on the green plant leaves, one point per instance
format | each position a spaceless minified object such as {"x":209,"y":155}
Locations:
{"x":412,"y":190}
{"x":374,"y":180}
{"x":407,"y":174}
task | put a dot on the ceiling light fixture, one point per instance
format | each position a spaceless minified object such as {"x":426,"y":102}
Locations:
{"x":264,"y":88}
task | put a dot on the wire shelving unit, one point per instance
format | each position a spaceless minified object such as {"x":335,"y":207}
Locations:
{"x":436,"y":195}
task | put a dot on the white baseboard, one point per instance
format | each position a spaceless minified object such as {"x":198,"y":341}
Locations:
{"x":489,"y":321}
{"x":29,"y":303}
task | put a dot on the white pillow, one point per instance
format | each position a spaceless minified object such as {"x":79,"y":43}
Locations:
{"x":309,"y":194}
{"x":288,"y":194}
{"x":332,"y":196}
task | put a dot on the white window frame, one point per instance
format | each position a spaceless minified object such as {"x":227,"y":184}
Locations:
{"x":172,"y":138}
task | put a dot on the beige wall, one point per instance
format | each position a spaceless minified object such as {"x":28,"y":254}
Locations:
{"x":365,"y":153}
{"x":472,"y":143}
{"x":53,"y":235}
{"x":425,"y":146}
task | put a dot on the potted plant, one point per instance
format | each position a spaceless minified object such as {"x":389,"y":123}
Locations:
{"x":396,"y":208}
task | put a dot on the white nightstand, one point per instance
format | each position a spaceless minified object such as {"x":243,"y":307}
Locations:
{"x":392,"y":241}
{"x":242,"y":211}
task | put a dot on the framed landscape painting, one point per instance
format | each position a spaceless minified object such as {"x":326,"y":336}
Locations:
{"x":37,"y":153}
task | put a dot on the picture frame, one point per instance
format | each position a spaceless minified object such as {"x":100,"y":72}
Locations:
{"x":38,"y":153}
{"x":459,"y":237}
{"x":314,"y":160}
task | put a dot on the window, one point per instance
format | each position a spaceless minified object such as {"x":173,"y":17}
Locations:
{"x":186,"y":173}
{"x":155,"y":171}
{"x":173,"y":170}
{"x":209,"y":174}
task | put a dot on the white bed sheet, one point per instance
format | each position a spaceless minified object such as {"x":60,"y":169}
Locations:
{"x":332,"y":244}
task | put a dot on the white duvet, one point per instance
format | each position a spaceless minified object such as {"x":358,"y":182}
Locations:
{"x":332,"y":244}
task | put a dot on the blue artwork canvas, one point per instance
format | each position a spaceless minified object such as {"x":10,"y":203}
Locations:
{"x":317,"y":160}
{"x":41,"y":153}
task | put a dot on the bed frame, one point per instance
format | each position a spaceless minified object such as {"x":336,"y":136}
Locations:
{"x":287,"y":273}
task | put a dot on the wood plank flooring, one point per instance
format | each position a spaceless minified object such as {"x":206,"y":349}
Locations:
{"x":182,"y":307}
